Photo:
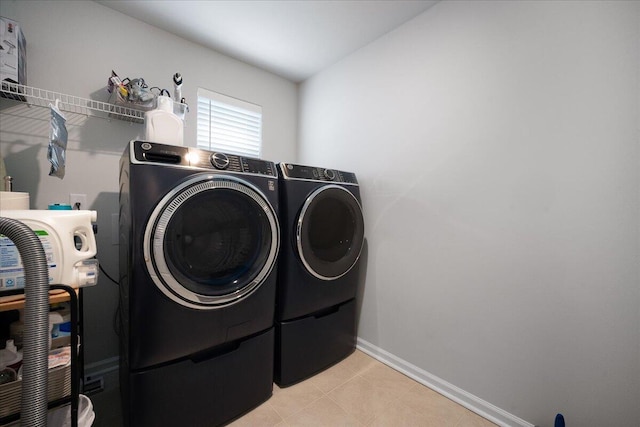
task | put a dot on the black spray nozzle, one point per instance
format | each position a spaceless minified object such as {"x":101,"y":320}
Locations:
{"x":177,"y":79}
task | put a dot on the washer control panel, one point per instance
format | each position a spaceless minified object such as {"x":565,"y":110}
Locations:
{"x":312,"y":173}
{"x":151,"y":152}
{"x":219,"y":160}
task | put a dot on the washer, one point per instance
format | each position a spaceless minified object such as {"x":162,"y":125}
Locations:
{"x":319,"y":270}
{"x":199,"y":240}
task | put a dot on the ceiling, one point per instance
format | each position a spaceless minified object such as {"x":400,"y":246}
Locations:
{"x":294,"y":39}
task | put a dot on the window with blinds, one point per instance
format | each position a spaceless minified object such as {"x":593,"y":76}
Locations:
{"x":228,"y":124}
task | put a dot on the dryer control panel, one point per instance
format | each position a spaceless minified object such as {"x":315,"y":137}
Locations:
{"x":151,"y":152}
{"x":312,"y":173}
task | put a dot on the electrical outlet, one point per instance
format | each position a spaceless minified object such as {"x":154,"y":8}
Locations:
{"x":93,"y":384}
{"x":78,"y":201}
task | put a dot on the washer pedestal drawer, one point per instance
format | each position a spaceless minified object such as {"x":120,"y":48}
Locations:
{"x":308,"y":345}
{"x":207,"y":389}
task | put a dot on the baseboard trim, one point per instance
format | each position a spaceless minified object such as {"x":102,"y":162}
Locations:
{"x":466,"y":399}
{"x":102,"y":367}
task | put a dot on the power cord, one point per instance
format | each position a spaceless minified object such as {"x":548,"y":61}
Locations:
{"x":116,"y":315}
{"x":116,"y":321}
{"x":107,"y":275}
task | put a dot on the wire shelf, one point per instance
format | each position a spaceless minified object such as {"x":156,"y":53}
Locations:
{"x":74,"y":104}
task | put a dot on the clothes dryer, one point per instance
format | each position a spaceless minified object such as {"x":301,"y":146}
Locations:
{"x":319,"y":270}
{"x":199,"y":239}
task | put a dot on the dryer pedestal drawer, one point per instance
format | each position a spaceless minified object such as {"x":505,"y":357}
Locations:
{"x":311,"y":344}
{"x":212,"y":390}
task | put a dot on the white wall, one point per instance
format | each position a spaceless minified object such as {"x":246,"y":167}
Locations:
{"x":496,"y":144}
{"x":72,"y":46}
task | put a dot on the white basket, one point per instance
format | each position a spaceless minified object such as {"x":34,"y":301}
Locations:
{"x":61,"y":417}
{"x":59,"y":386}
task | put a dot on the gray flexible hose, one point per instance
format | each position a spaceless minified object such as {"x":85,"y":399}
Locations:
{"x":35,"y":364}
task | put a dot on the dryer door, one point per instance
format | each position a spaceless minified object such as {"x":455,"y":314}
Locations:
{"x":330,"y":232}
{"x":211,"y":241}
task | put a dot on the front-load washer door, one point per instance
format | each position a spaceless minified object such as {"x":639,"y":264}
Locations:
{"x":211,"y":241}
{"x":330,"y":232}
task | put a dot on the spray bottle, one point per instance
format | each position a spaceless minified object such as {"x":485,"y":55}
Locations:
{"x":177,"y":87}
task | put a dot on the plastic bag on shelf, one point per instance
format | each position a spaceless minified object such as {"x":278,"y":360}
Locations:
{"x":58,"y":135}
{"x":133,"y":93}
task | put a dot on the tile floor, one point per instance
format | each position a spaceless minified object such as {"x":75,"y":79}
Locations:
{"x":359,"y":391}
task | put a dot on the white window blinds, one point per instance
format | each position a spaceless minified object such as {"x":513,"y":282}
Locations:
{"x":228,"y":124}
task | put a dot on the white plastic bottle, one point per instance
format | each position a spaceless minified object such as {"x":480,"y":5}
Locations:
{"x":10,"y":361}
{"x":162,"y":126}
{"x":16,"y":329}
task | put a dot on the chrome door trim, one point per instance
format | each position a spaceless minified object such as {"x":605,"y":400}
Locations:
{"x":155,"y":262}
{"x":300,"y":223}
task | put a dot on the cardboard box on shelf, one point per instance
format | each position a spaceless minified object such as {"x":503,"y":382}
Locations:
{"x":13,"y":52}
